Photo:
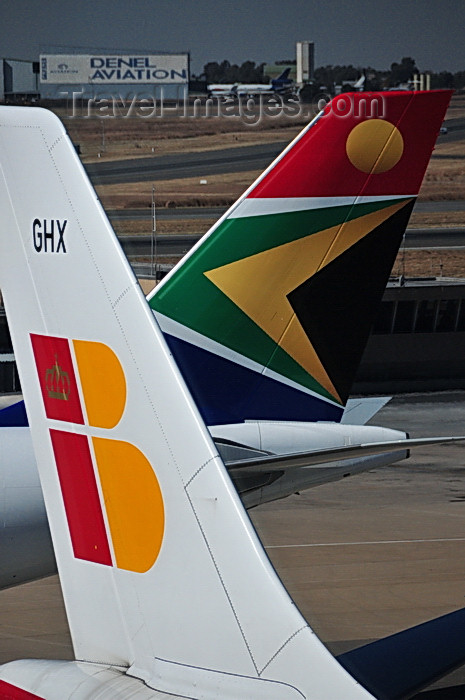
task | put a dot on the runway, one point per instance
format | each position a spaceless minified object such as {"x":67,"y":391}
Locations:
{"x":362,"y":558}
{"x":172,"y":167}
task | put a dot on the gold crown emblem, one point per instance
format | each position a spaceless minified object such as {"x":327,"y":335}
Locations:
{"x":57,"y":382}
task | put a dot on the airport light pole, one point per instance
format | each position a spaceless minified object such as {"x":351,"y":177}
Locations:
{"x":154,"y":237}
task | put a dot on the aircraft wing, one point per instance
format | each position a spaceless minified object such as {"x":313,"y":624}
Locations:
{"x":420,"y":655}
{"x":319,"y":458}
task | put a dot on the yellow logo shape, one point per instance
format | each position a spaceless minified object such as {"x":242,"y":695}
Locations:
{"x":103,"y":383}
{"x":133,"y":503}
{"x":374,"y":146}
{"x":247,"y":283}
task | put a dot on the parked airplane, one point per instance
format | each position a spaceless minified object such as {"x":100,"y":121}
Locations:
{"x":150,"y":536}
{"x":277,"y":85}
{"x":263,"y":373}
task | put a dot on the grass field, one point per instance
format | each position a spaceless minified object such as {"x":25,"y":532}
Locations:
{"x":136,"y":137}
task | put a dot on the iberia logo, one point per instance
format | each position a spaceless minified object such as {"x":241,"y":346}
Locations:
{"x":112,"y":498}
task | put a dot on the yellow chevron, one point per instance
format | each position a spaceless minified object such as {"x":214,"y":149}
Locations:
{"x":247,"y":283}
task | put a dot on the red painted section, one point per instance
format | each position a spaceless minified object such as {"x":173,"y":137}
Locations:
{"x":57,"y":379}
{"x":11,"y":692}
{"x":318,"y":166}
{"x":80,"y":496}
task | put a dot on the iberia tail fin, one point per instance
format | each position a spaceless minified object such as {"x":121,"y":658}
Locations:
{"x":269,"y":314}
{"x":164,"y":578}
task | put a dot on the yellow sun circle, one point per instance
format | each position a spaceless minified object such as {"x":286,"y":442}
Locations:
{"x":374,"y":146}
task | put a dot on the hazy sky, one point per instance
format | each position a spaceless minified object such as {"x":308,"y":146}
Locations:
{"x":361,"y":32}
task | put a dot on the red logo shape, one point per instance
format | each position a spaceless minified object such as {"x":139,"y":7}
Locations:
{"x":80,"y":497}
{"x":57,"y":379}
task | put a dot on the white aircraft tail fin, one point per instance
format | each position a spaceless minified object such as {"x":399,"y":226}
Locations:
{"x":162,"y":572}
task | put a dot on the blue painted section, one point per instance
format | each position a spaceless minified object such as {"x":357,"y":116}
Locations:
{"x":398,"y":666}
{"x":226,"y":392}
{"x":14,"y":416}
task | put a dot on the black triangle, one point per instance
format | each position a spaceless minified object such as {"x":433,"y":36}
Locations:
{"x":337,"y":306}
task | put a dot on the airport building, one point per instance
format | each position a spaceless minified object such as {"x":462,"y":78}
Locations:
{"x":305,"y":58}
{"x":100,"y":74}
{"x":19,"y":80}
{"x":417,"y":341}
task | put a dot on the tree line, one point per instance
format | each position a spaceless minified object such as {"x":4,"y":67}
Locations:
{"x":329,"y":76}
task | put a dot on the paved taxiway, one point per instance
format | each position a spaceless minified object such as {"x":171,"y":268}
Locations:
{"x":362,"y":558}
{"x":179,"y":244}
{"x":215,"y":212}
{"x":173,"y":166}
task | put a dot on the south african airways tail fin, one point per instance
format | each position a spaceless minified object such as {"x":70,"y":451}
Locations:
{"x":269,"y":314}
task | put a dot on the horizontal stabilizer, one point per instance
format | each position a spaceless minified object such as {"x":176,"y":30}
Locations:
{"x":359,"y":411}
{"x":335,"y":454}
{"x":400,"y":665}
